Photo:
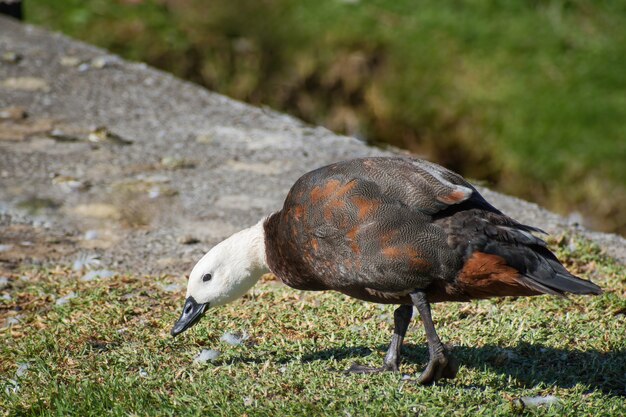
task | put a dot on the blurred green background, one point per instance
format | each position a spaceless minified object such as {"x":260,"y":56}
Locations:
{"x":527,"y":96}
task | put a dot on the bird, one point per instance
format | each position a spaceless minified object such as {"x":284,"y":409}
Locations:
{"x":390,"y":230}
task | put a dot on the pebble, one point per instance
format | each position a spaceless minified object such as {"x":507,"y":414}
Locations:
{"x":70,"y":61}
{"x":70,"y":184}
{"x":4,"y":248}
{"x":4,"y":282}
{"x":154,"y":192}
{"x":104,"y":61}
{"x":102,"y":134}
{"x":13,"y":113}
{"x":91,"y":235}
{"x":188,"y":240}
{"x":12,"y":57}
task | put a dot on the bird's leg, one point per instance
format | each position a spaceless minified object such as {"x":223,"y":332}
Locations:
{"x":440,"y":364}
{"x":401,"y":319}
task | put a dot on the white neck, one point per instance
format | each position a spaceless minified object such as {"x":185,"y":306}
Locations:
{"x":255,"y":235}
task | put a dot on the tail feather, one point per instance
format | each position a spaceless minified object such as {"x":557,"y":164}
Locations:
{"x":560,"y":284}
{"x":478,"y":228}
{"x":542,"y":271}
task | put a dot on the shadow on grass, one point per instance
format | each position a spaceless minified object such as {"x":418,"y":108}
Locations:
{"x":529,"y":364}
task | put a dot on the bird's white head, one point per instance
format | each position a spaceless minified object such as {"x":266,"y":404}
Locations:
{"x":224,"y":274}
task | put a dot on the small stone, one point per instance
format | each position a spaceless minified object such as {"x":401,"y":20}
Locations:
{"x":154,"y":192}
{"x":70,"y":61}
{"x":206,"y":355}
{"x":13,"y":113}
{"x":161,"y":190}
{"x":6,"y":297}
{"x":5,"y":247}
{"x":143,"y":373}
{"x":104,"y":61}
{"x":101,"y":134}
{"x":70,"y":184}
{"x":91,"y":235}
{"x":84,"y":67}
{"x":188,"y":240}
{"x":12,"y":57}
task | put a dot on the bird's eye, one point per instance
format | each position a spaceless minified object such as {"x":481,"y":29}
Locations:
{"x":206,"y":277}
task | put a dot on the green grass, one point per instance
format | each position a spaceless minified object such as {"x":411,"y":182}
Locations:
{"x":108,"y":351}
{"x":529,"y":95}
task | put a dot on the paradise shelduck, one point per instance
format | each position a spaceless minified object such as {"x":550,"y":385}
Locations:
{"x":391,"y":230}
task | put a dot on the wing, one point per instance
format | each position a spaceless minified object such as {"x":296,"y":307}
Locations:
{"x":369,"y":223}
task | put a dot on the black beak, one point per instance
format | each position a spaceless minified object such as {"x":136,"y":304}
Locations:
{"x":191,"y":314}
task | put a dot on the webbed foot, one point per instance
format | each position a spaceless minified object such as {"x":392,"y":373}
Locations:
{"x":440,"y":366}
{"x":357,"y":368}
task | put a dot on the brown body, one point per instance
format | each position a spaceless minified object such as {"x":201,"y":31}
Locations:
{"x":378,"y":229}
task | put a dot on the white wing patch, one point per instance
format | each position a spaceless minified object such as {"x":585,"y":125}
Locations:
{"x":454,"y":193}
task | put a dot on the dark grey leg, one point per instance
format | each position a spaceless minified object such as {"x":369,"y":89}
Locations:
{"x":401,"y":319}
{"x":440,"y":364}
